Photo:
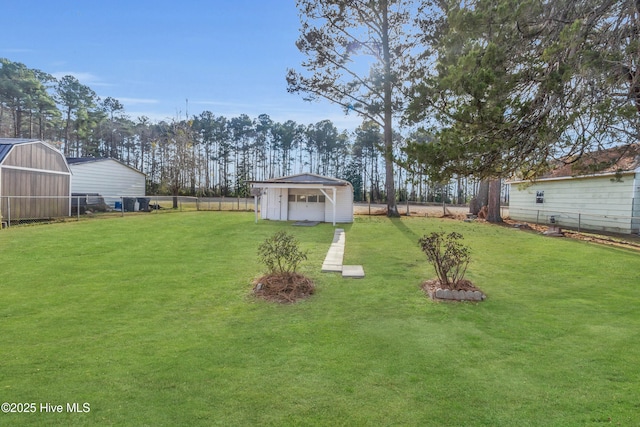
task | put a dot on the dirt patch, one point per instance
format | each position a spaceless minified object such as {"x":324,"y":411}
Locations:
{"x":630,"y":242}
{"x":432,"y":210}
{"x":280,"y":288}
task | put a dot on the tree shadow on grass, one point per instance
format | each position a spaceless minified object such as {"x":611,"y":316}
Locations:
{"x":410,"y":234}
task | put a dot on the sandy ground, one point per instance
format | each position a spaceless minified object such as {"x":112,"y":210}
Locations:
{"x":414,"y":210}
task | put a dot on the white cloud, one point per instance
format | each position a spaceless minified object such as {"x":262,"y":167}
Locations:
{"x":137,"y":101}
{"x":87,"y":79}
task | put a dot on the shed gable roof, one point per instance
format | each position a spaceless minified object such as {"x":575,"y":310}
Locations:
{"x":85,"y":160}
{"x":305,"y":178}
{"x":6,"y":144}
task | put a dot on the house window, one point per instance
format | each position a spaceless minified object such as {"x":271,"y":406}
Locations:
{"x":302,"y":198}
{"x":312,"y":199}
{"x":539,"y":196}
{"x":292,"y":197}
{"x":321,"y":199}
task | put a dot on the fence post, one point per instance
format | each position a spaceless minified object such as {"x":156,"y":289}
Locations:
{"x":122,"y":206}
{"x":538,"y":217}
{"x":9,"y":212}
{"x":78,"y":207}
{"x":579,"y":221}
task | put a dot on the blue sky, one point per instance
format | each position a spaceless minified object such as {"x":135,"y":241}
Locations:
{"x":229,"y":57}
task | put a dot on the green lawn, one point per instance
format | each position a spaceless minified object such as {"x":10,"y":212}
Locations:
{"x":149,"y":319}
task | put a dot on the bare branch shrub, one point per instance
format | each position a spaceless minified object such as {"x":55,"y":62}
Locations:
{"x":448,"y":256}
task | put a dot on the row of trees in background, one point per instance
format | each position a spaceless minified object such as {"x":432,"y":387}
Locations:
{"x":204,"y":154}
{"x":490,"y":89}
{"x":498,"y":87}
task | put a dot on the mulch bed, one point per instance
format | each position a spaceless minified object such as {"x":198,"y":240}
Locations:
{"x":283,"y":288}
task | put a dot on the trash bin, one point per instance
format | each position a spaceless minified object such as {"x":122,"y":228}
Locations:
{"x":129,"y":204}
{"x":144,"y":203}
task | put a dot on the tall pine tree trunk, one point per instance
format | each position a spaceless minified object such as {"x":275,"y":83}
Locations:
{"x":481,"y":198}
{"x":392,"y":208}
{"x":493,"y":207}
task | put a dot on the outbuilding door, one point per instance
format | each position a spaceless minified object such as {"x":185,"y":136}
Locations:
{"x":306,"y":205}
{"x":276,"y":204}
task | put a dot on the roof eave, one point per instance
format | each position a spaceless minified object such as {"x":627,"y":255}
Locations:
{"x":564,"y":178}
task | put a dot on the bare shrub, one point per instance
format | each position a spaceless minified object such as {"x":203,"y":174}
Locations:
{"x":448,"y":256}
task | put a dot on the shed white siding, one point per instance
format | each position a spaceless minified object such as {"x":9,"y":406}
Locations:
{"x":305,"y":197}
{"x":344,"y":205}
{"x":274,"y":204}
{"x":107,"y":177}
{"x":306,"y":205}
{"x":599,"y":203}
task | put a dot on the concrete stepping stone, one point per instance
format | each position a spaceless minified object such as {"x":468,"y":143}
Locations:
{"x":353,"y":271}
{"x":333,"y":261}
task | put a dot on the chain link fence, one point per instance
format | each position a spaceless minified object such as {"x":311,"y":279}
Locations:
{"x":16,"y":210}
{"x":579,"y":221}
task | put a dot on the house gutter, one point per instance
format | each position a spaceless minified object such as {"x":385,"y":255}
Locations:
{"x":564,"y":178}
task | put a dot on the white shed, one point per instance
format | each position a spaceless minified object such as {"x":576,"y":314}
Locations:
{"x":305,"y":197}
{"x":569,"y":196}
{"x":107,"y":177}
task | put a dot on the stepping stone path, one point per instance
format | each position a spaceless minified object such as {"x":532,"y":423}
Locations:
{"x":335,"y":255}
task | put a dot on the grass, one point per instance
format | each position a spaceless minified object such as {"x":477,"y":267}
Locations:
{"x":149,"y":320}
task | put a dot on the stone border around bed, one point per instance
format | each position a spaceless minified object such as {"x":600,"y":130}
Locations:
{"x":454,"y":295}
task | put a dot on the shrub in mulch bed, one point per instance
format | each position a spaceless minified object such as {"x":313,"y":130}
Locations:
{"x":282,"y":255}
{"x":450,"y":259}
{"x":283,"y":288}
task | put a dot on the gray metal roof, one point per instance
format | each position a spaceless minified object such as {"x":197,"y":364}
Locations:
{"x":84,"y":160}
{"x":75,"y":160}
{"x":304,"y":178}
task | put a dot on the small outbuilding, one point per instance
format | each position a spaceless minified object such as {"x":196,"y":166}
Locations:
{"x":35,"y":180}
{"x":573,"y":196}
{"x":109,"y":178}
{"x":305,"y":197}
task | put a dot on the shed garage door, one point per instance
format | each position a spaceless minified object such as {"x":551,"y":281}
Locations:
{"x":306,"y":205}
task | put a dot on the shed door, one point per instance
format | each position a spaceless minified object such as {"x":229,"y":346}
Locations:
{"x":306,"y":205}
{"x":276,"y":201}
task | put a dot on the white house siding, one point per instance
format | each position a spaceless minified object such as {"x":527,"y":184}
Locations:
{"x":109,"y":178}
{"x":601,"y":203}
{"x":635,"y":224}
